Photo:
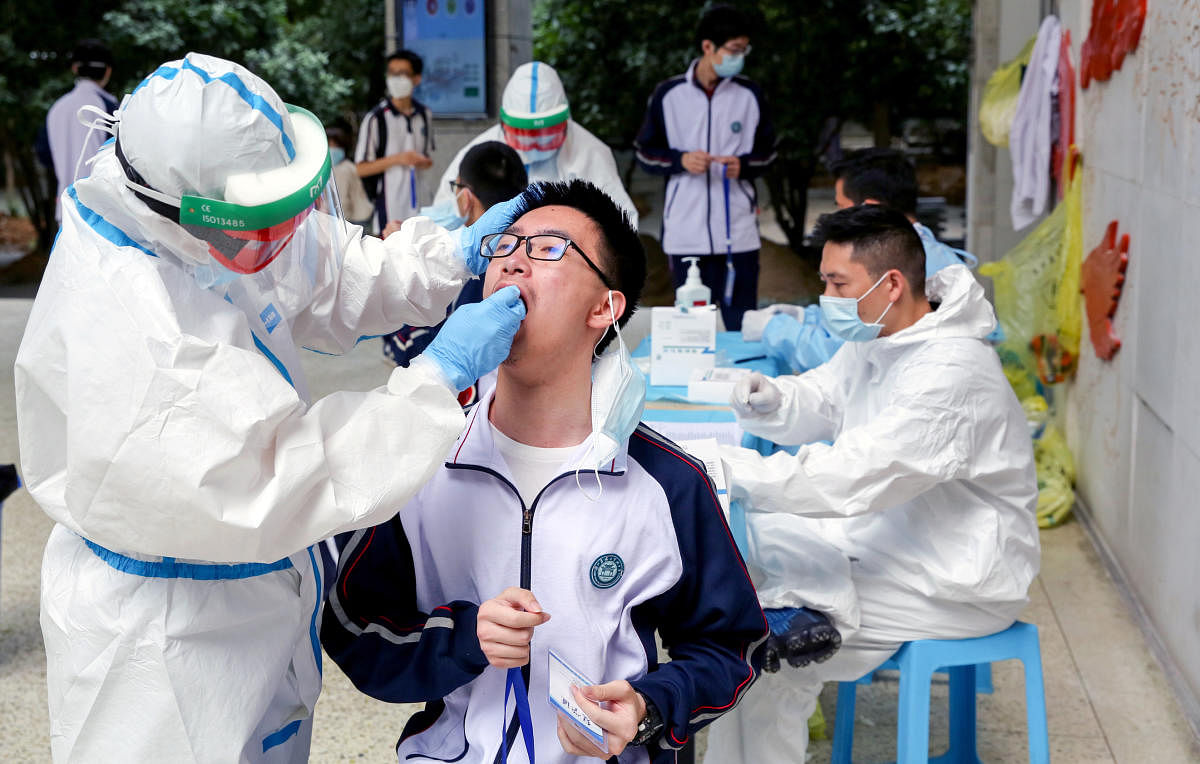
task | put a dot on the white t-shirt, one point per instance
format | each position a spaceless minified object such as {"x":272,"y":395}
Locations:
{"x":532,"y":467}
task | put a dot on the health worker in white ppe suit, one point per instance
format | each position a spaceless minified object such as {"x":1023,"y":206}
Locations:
{"x":535,"y":119}
{"x":165,"y":424}
{"x":928,"y":490}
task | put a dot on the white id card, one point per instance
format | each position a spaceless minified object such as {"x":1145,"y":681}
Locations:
{"x":562,"y":678}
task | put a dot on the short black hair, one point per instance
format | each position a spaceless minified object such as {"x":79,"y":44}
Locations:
{"x":621,"y":253}
{"x":884,"y":175}
{"x":92,"y":58}
{"x":404,"y":54}
{"x":722,"y":23}
{"x":494,"y":172}
{"x":882,"y":239}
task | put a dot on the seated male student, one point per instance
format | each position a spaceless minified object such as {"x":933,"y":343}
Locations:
{"x":927,"y":491}
{"x":798,"y":336}
{"x":557,"y":523}
{"x":490,"y":173}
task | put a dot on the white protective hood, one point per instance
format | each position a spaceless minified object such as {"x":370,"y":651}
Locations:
{"x":534,"y":90}
{"x":582,"y":156}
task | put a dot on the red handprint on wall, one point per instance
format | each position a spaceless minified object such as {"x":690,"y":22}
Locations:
{"x":1103,"y":278}
{"x":1114,"y":33}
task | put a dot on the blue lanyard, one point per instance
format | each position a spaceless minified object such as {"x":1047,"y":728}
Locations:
{"x":412,"y":187}
{"x":730,"y":273}
{"x":515,"y":684}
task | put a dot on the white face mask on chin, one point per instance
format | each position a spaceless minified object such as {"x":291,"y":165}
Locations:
{"x":618,"y":399}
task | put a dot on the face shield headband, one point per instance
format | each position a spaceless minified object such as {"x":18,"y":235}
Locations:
{"x":245,"y":237}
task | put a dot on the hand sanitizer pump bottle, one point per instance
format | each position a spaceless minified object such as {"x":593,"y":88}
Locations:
{"x":693,"y":292}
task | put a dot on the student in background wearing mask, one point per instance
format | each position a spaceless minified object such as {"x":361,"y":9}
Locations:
{"x":708,"y":133}
{"x":356,"y":206}
{"x":557,"y":523}
{"x":490,"y":173}
{"x":927,"y":491}
{"x":535,"y":119}
{"x":395,"y":142}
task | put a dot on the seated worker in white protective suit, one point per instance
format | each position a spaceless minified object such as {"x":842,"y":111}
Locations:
{"x":535,"y":119}
{"x":165,"y":424}
{"x":927,"y":491}
{"x":798,"y":336}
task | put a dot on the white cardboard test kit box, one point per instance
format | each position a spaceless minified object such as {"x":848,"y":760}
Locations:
{"x":681,"y":339}
{"x":714,"y":385}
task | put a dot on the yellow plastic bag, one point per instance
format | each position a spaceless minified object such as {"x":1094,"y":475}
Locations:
{"x":1055,"y":477}
{"x":1068,"y":304}
{"x":1037,"y":293}
{"x":999,"y":103}
{"x":816,"y":725}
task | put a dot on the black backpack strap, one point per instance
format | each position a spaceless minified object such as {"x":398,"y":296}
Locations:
{"x":373,"y":184}
{"x":381,"y":129}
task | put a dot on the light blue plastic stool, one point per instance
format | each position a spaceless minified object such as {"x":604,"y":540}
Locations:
{"x":917,"y":661}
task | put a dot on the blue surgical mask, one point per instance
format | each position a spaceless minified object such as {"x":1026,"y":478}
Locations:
{"x":533,"y":156}
{"x":336,"y":154}
{"x":445,"y":213}
{"x":841,"y":316}
{"x":731,"y":64}
{"x":618,"y":399}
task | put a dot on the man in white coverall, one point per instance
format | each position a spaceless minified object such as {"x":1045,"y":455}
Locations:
{"x":927,"y":491}
{"x":165,"y":423}
{"x":535,"y":119}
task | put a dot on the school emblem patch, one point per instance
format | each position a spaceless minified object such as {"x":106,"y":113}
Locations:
{"x":736,"y":127}
{"x":607,"y":571}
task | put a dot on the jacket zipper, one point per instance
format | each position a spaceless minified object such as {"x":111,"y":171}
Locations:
{"x":526,"y":569}
{"x":708,"y":175}
{"x":670,"y":201}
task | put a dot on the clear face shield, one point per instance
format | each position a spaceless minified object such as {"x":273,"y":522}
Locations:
{"x":293,"y":209}
{"x":536,"y":138}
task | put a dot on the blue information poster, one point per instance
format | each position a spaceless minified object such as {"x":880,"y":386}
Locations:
{"x":450,"y":36}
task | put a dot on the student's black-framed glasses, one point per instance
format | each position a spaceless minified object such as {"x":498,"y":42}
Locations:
{"x":455,"y":186}
{"x":542,"y":246}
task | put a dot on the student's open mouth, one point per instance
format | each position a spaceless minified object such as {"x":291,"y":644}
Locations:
{"x":524,"y":294}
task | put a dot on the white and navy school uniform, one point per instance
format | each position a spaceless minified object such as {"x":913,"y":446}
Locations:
{"x":400,"y":190}
{"x":653,"y":553}
{"x":68,"y":139}
{"x":732,"y":120}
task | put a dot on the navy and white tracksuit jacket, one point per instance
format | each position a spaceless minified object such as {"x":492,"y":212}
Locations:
{"x":680,"y":117}
{"x":652,"y":554}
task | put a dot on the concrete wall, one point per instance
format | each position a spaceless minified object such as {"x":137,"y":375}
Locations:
{"x":1134,"y":422}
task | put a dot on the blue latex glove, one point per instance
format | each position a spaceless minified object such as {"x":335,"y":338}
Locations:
{"x":477,"y":337}
{"x":800,"y":345}
{"x":497,"y":218}
{"x":938,"y":255}
{"x":800,"y":636}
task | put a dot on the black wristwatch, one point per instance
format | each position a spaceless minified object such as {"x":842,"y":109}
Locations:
{"x":650,"y":725}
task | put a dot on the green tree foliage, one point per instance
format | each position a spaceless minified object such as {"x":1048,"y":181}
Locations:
{"x":324,"y":56}
{"x":820,"y":62}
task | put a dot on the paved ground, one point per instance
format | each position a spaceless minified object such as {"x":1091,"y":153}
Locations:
{"x":1108,"y":700}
